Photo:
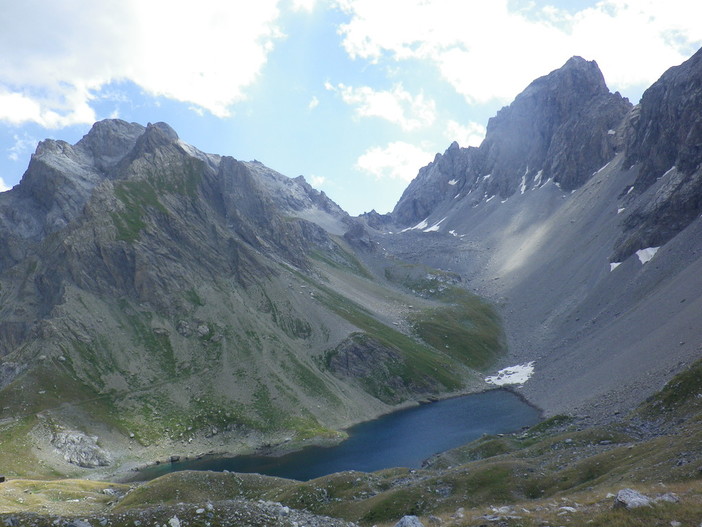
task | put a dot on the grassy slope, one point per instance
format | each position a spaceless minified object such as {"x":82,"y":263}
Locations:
{"x":555,"y":473}
{"x":531,"y":476}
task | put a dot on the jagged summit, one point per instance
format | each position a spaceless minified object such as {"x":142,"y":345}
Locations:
{"x":559,"y":128}
{"x":664,"y":143}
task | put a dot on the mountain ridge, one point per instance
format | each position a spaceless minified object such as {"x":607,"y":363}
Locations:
{"x":168,"y":300}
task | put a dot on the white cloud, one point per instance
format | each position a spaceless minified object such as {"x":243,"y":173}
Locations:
{"x":3,"y":185}
{"x":471,"y":134}
{"x":314,"y":102}
{"x":397,"y":160}
{"x":398,"y":106}
{"x":21,"y":146}
{"x":303,"y":5}
{"x":486,"y":51}
{"x":317,"y":181}
{"x":57,"y":55}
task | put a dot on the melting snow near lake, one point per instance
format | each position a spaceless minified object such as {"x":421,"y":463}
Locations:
{"x":518,"y":374}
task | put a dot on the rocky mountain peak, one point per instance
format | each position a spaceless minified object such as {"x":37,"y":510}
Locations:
{"x":560,"y":128}
{"x":109,"y":141}
{"x":557,"y":128}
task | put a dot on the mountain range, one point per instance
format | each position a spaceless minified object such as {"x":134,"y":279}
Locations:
{"x":157,"y":300}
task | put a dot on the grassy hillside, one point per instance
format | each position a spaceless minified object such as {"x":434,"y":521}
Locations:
{"x":557,"y":472}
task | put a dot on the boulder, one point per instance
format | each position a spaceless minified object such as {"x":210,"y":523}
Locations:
{"x":409,"y":521}
{"x":630,"y":499}
{"x":80,"y":449}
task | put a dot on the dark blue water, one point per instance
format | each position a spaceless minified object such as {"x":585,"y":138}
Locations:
{"x":401,"y":439}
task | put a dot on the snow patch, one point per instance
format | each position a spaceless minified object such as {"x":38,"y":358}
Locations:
{"x":490,"y":198}
{"x":421,"y":225}
{"x":486,"y":177}
{"x":668,"y":171}
{"x":518,"y":374}
{"x":630,"y":190}
{"x":601,"y":169}
{"x":504,"y":200}
{"x":435,"y":227}
{"x":620,"y":210}
{"x":537,"y":179}
{"x":522,"y":187}
{"x":614,"y":265}
{"x":611,"y":132}
{"x":453,"y":182}
{"x":646,"y":254}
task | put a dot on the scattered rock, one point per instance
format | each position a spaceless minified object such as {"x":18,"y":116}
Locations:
{"x":630,"y":499}
{"x":668,"y":497}
{"x":80,"y":449}
{"x":409,"y":521}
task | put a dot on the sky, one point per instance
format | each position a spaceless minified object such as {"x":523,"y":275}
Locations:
{"x":356,"y":95}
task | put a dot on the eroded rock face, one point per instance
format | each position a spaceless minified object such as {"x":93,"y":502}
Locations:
{"x":665,"y":143}
{"x":561,"y":127}
{"x":80,"y":449}
{"x":440,"y":180}
{"x":377,"y":367}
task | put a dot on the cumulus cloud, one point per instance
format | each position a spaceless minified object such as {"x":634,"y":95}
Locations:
{"x":487,"y":50}
{"x":205,"y":53}
{"x":471,"y":134}
{"x":3,"y":186}
{"x":397,"y":160}
{"x":303,"y":5}
{"x":398,"y":106}
{"x":314,"y":102}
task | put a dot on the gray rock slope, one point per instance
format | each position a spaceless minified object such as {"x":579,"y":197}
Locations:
{"x":555,"y":218}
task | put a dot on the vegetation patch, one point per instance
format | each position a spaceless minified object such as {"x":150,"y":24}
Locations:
{"x":466,"y":327}
{"x":682,"y":394}
{"x":341,"y":259}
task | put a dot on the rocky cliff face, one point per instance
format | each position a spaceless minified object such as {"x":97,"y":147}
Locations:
{"x":664,"y":142}
{"x":560,"y":128}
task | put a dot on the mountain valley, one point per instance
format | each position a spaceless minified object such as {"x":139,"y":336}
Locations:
{"x":159,"y":301}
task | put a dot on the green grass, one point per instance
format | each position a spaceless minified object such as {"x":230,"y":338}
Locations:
{"x":682,"y":394}
{"x":420,"y":361}
{"x":469,"y":330}
{"x":341,"y":259}
{"x":466,"y":327}
{"x":199,"y":487}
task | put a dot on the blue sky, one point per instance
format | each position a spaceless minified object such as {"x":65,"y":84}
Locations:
{"x":356,"y":95}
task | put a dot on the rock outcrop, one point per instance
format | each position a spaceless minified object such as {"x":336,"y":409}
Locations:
{"x":80,"y":449}
{"x":664,"y":142}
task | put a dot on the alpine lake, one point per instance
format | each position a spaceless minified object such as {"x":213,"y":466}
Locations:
{"x":404,"y":438}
